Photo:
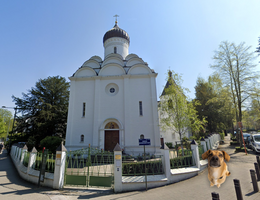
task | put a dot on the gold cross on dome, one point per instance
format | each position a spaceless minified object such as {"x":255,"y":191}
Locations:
{"x":116,"y":16}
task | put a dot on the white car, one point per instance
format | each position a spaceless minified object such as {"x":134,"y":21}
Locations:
{"x":254,"y":142}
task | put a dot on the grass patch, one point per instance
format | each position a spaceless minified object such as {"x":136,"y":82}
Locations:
{"x":240,"y":149}
{"x":234,"y":143}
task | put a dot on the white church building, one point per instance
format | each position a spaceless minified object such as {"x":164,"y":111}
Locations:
{"x":113,"y":100}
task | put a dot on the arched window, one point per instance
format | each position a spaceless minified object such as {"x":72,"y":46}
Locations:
{"x":82,"y":138}
{"x":115,"y":50}
{"x":111,"y":125}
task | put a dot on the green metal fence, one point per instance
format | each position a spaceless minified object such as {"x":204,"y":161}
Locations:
{"x":50,"y":162}
{"x":26,"y":158}
{"x":89,"y":167}
{"x":201,"y":151}
{"x":181,"y":158}
{"x":135,"y":166}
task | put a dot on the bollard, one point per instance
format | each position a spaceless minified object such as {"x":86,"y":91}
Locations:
{"x":257,"y":171}
{"x":258,"y":161}
{"x":252,"y":172}
{"x":215,"y":196}
{"x":238,"y":189}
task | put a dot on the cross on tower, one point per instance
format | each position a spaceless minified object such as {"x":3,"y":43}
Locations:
{"x":116,"y":16}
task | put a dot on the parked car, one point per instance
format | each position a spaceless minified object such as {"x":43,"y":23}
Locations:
{"x":246,"y":137}
{"x":254,"y":142}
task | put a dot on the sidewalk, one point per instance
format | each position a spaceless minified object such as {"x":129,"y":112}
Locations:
{"x":13,"y":187}
{"x":199,"y":186}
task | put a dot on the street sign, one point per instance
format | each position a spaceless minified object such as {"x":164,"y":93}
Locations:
{"x":144,"y":142}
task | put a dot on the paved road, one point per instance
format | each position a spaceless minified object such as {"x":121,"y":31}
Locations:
{"x":13,"y":187}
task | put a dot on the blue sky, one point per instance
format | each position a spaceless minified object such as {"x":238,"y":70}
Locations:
{"x":55,"y":37}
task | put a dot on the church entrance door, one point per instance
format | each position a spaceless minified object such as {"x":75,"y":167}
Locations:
{"x":111,"y":139}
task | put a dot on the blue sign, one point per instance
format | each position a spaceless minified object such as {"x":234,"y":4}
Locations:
{"x":144,"y":142}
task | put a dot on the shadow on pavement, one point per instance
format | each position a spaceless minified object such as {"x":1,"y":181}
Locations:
{"x":11,"y":182}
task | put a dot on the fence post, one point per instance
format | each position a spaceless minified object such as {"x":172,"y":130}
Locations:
{"x":25,"y":149}
{"x":252,"y":172}
{"x":213,"y":139}
{"x":257,"y":171}
{"x":210,"y":141}
{"x":59,"y":171}
{"x":215,"y":196}
{"x":18,"y":153}
{"x":258,"y":161}
{"x":166,"y":162}
{"x":203,"y":143}
{"x":32,"y":159}
{"x":117,"y":169}
{"x":195,"y":153}
{"x":207,"y":142}
{"x":238,"y":189}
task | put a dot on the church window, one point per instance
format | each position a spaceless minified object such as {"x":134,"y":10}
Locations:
{"x":140,"y":108}
{"x":115,"y":50}
{"x":112,"y":90}
{"x":82,"y":138}
{"x":111,"y":125}
{"x":84,"y":110}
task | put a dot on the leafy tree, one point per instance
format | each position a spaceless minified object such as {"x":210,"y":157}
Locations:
{"x":51,"y":143}
{"x":235,"y":65}
{"x":2,"y":127}
{"x":43,"y":109}
{"x":215,"y":103}
{"x":5,"y":122}
{"x":177,"y":112}
{"x":251,"y":116}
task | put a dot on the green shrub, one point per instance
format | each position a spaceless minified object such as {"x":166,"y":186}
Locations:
{"x":51,"y":143}
{"x":240,"y":149}
{"x":169,"y":145}
{"x":31,"y":143}
{"x":222,"y":135}
{"x":138,"y":168}
{"x":235,"y":143}
{"x":180,"y":162}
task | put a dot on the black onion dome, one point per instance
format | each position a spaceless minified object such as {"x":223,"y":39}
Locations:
{"x":116,"y":32}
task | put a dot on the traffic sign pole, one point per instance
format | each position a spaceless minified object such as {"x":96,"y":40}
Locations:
{"x":145,"y":168}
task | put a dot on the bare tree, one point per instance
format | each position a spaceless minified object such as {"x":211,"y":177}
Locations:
{"x":235,"y":65}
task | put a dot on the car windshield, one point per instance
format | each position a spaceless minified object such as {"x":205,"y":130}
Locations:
{"x":257,"y":138}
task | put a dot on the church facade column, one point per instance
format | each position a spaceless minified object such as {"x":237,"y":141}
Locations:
{"x":156,"y":133}
{"x":127,"y":126}
{"x":96,"y":114}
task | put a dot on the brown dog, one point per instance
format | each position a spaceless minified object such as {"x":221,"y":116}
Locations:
{"x":217,"y":168}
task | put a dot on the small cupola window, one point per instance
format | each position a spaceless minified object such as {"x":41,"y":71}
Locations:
{"x":115,"y":50}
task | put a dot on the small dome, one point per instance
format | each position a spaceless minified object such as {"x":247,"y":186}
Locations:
{"x":116,"y":32}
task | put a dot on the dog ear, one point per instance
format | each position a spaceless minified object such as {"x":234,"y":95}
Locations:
{"x":226,"y":156}
{"x":206,"y":154}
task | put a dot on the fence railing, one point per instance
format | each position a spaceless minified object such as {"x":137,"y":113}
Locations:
{"x":50,"y":162}
{"x":89,"y":167}
{"x":181,"y":158}
{"x":201,"y":151}
{"x":135,"y":166}
{"x":85,"y":163}
{"x":26,"y":158}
